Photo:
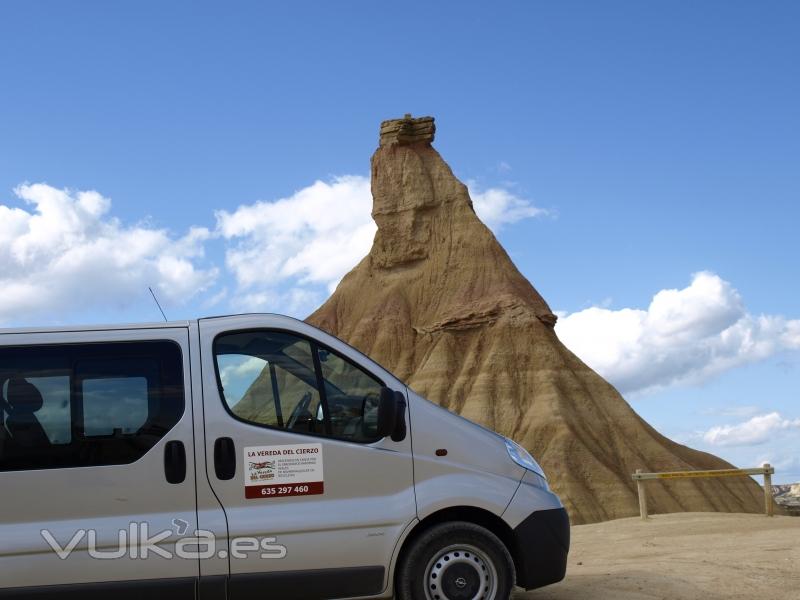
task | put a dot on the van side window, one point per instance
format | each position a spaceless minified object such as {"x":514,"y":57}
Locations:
{"x":54,"y":415}
{"x":352,"y":397}
{"x":280,"y":380}
{"x":269,"y":379}
{"x":126,"y":381}
{"x":78,"y":405}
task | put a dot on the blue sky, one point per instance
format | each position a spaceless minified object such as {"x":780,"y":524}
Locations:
{"x":659,"y":140}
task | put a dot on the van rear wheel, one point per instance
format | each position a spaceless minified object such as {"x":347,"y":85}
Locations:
{"x":456,"y":561}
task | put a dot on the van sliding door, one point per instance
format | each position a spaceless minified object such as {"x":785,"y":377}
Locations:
{"x":96,"y":465}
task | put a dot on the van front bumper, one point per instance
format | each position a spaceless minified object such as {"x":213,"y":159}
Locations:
{"x":541,"y":545}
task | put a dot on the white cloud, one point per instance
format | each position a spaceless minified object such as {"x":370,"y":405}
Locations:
{"x":498,"y":206}
{"x":66,"y":254}
{"x":684,"y":336}
{"x":758,"y":430}
{"x":215,"y":299}
{"x":297,"y":301}
{"x":312,"y":238}
{"x":741,"y":412}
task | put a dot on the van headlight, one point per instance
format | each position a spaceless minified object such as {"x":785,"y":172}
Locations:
{"x":523,"y":458}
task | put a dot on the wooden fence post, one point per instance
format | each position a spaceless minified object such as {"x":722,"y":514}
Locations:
{"x":768,"y":503}
{"x":642,"y":497}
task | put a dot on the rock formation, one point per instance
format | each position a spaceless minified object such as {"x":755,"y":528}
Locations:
{"x":439,"y":303}
{"x":788,"y":497}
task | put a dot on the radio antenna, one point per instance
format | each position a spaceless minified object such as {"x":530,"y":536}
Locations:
{"x":153,"y":294}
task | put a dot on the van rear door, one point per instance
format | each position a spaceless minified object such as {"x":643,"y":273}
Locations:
{"x":315,"y":502}
{"x":96,"y":464}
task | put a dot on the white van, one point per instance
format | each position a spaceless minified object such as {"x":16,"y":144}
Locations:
{"x":246,"y":457}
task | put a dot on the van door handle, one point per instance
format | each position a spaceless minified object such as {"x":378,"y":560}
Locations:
{"x":224,"y":458}
{"x":175,"y":461}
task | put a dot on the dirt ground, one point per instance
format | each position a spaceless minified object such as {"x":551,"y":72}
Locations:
{"x":706,"y":556}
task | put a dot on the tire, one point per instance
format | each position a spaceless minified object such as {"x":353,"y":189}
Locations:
{"x":453,"y":561}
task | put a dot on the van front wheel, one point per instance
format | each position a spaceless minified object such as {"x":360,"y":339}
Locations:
{"x":456,"y":561}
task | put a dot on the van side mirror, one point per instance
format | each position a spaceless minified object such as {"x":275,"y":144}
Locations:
{"x":387,"y":413}
{"x":391,"y":415}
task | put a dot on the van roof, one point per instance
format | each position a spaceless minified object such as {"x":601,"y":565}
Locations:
{"x":133,"y":326}
{"x":68,"y":328}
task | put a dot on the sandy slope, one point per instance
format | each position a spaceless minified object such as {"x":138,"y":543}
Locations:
{"x":683,"y":556}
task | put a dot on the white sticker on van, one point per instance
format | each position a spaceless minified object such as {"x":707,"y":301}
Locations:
{"x":278,"y":471}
